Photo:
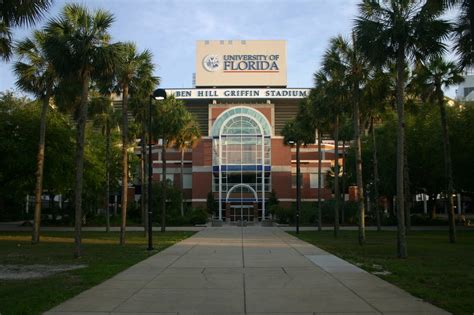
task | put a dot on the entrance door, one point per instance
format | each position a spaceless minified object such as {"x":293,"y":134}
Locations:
{"x":241,"y":213}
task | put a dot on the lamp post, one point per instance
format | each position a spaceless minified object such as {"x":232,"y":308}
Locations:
{"x":158,"y":94}
{"x":298,"y":185}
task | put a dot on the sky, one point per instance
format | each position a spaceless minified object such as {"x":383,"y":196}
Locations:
{"x":170,"y":29}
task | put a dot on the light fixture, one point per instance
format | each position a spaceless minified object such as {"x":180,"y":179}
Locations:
{"x":159,"y":95}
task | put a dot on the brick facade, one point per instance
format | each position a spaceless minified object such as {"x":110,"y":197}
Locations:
{"x":199,"y":161}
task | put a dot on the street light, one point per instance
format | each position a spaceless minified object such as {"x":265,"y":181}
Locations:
{"x":298,"y":185}
{"x":158,"y":94}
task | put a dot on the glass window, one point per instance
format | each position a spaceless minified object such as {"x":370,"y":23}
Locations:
{"x":170,"y":177}
{"x":313,"y":177}
{"x":241,"y":131}
{"x":187,"y":181}
{"x":293,"y":180}
{"x":255,"y":118}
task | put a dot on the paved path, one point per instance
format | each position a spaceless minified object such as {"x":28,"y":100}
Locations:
{"x":250,"y":270}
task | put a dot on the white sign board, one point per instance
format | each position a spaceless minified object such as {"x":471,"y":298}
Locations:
{"x":188,"y":94}
{"x":241,"y":63}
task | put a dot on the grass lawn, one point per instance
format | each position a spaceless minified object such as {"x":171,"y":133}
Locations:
{"x":435,"y":270}
{"x":101,"y":253}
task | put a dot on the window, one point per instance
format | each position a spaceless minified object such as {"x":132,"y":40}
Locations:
{"x":293,"y":180}
{"x":187,"y":181}
{"x":468,"y":90}
{"x":313,"y":178}
{"x":242,"y":144}
{"x":169,"y":177}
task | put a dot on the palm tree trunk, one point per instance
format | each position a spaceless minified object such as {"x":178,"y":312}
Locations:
{"x":182,"y":182}
{"x":448,"y":168}
{"x":320,"y":159}
{"x":343,"y":190}
{"x":401,"y":235}
{"x":470,"y":10}
{"x":143,"y":176}
{"x":432,"y":202}
{"x":336,"y":177}
{"x":360,"y":185}
{"x":39,"y":170}
{"x":406,"y":185}
{"x":298,"y":187}
{"x":124,"y":163}
{"x":79,"y":161}
{"x":107,"y":175}
{"x":163,"y":187}
{"x":376,"y":178}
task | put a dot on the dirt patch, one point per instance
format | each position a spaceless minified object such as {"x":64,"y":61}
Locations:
{"x":19,"y":272}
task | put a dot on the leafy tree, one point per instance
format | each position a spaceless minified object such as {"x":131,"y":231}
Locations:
{"x":14,"y":13}
{"x":461,"y":122}
{"x":36,"y":75}
{"x":430,"y":79}
{"x":399,"y":31}
{"x":299,"y":131}
{"x":19,"y":126}
{"x":78,"y":46}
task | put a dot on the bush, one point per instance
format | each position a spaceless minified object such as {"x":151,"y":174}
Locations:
{"x":422,"y":219}
{"x":198,"y":216}
{"x":283,"y":215}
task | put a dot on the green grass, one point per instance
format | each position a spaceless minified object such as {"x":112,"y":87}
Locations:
{"x":435,"y":270}
{"x":101,"y":253}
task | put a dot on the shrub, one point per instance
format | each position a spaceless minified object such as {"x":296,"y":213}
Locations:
{"x":198,"y":216}
{"x":283,"y":215}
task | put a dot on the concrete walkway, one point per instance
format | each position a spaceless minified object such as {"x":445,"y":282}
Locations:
{"x":249,"y":270}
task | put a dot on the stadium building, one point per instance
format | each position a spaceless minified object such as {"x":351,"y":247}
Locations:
{"x":241,"y":101}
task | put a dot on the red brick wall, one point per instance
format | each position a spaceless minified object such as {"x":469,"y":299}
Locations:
{"x":281,"y":154}
{"x":201,"y":185}
{"x":202,"y":153}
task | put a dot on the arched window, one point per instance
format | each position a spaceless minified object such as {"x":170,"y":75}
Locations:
{"x":241,"y":111}
{"x":241,"y":157}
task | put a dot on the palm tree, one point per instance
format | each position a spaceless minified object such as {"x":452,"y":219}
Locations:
{"x":430,"y":79}
{"x":36,"y":75}
{"x":78,"y":45}
{"x":187,"y":138}
{"x":321,"y":117}
{"x":16,"y":13}
{"x":299,"y":131}
{"x":107,"y":119}
{"x":141,"y":89}
{"x":132,"y":64}
{"x":398,"y":31}
{"x":376,"y":96}
{"x":355,"y":69}
{"x":464,"y":33}
{"x":169,"y":117}
{"x":330,"y":79}
{"x":463,"y":30}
